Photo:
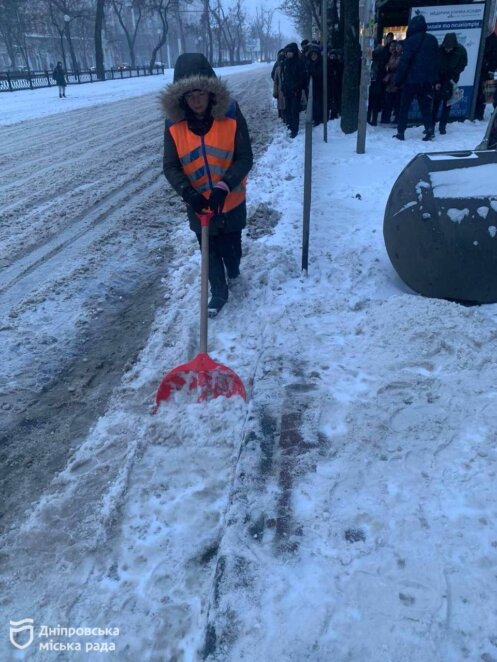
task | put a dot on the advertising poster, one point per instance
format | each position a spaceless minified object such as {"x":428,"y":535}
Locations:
{"x":467,"y":22}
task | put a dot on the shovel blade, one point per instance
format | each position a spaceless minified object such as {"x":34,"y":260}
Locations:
{"x":207,"y":377}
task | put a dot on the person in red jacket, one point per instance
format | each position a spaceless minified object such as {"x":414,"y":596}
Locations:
{"x":207,"y":156}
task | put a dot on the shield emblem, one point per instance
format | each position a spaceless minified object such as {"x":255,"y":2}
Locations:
{"x":17,"y":627}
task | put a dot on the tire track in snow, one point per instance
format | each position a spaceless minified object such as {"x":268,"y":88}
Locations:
{"x":32,"y":270}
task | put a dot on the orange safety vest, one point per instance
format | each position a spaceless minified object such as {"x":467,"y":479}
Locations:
{"x":205,"y":159}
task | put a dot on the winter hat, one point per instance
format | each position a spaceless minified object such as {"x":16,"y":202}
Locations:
{"x":450,"y":40}
{"x":192,"y":71}
{"x":192,"y":64}
{"x":417,"y":24}
{"x":293,"y":48}
{"x":314,"y":48}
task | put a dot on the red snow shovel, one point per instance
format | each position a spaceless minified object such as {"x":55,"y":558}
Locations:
{"x":209,"y":378}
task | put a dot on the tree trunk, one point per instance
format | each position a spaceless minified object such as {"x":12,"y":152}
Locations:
{"x":207,"y":22}
{"x":99,"y":51}
{"x":71,"y":48}
{"x":352,"y":66}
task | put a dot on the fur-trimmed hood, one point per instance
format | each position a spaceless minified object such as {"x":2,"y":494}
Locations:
{"x":193,"y":72}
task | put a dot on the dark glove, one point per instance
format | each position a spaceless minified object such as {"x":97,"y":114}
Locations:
{"x":194,"y":199}
{"x":218,"y":196}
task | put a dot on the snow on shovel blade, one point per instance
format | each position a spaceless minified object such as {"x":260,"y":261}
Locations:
{"x":207,"y":377}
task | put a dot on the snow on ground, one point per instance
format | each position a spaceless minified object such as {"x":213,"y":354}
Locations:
{"x":25,"y":104}
{"x":347,"y":511}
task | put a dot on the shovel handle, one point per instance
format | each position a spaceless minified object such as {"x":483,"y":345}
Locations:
{"x":204,"y":222}
{"x":205,"y":218}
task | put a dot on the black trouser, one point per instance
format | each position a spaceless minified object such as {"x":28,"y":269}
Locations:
{"x":292,"y":111}
{"x":444,"y":115}
{"x":317,"y":107}
{"x":423,"y":92}
{"x":225,"y":252}
{"x":392,"y":101}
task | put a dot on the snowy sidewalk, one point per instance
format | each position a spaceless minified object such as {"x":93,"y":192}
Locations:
{"x":346,"y":511}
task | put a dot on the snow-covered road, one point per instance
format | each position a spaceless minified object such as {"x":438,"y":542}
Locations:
{"x":345,"y":513}
{"x":88,"y":230}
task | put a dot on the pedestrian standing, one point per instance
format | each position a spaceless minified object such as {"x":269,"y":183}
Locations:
{"x":392,"y":91}
{"x":335,"y":75}
{"x":59,"y":76}
{"x":277,"y":91}
{"x":315,"y":72}
{"x":453,"y":60}
{"x":490,"y":60}
{"x":417,"y":73}
{"x":376,"y":86}
{"x":293,"y":83}
{"x":207,"y":156}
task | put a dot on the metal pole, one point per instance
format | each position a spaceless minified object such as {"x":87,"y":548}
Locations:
{"x":307,"y":182}
{"x":366,"y":34}
{"x":204,"y":289}
{"x":324,"y":43}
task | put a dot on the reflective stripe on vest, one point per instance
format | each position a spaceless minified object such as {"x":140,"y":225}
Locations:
{"x":205,"y":159}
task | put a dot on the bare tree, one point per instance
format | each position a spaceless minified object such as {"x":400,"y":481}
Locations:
{"x":14,"y":20}
{"x":62,"y":13}
{"x":162,"y":9}
{"x":99,"y":51}
{"x":222,"y":29}
{"x":124,"y":12}
{"x":207,"y":28}
{"x":240,"y":19}
{"x":261,"y":27}
{"x":304,"y":13}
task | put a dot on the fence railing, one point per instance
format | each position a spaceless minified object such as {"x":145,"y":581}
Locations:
{"x":30,"y":80}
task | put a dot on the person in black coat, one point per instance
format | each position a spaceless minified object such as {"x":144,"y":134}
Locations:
{"x":315,"y":72}
{"x":417,"y":73}
{"x":489,"y":65}
{"x":392,"y":92}
{"x":376,"y":86}
{"x":335,"y":75}
{"x":59,"y":76}
{"x":452,"y":62}
{"x":490,"y":59}
{"x":293,"y":82}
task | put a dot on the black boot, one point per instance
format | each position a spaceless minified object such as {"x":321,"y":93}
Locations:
{"x":215,"y":305}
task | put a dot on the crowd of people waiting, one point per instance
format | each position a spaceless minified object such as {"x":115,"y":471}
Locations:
{"x":291,"y":73}
{"x":401,"y":71}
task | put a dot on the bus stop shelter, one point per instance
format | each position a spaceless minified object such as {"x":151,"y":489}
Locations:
{"x":469,"y":20}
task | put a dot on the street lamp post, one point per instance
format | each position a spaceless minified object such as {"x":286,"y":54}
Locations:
{"x":67,"y":18}
{"x":159,"y":33}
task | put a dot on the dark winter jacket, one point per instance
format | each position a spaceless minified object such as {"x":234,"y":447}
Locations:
{"x":59,"y":76}
{"x":451,"y":64}
{"x":490,"y":56}
{"x":389,"y":77}
{"x":277,"y":64}
{"x":376,"y":85}
{"x":419,"y":59}
{"x":293,"y":73}
{"x":193,"y":72}
{"x":335,"y":75}
{"x":315,"y":70}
